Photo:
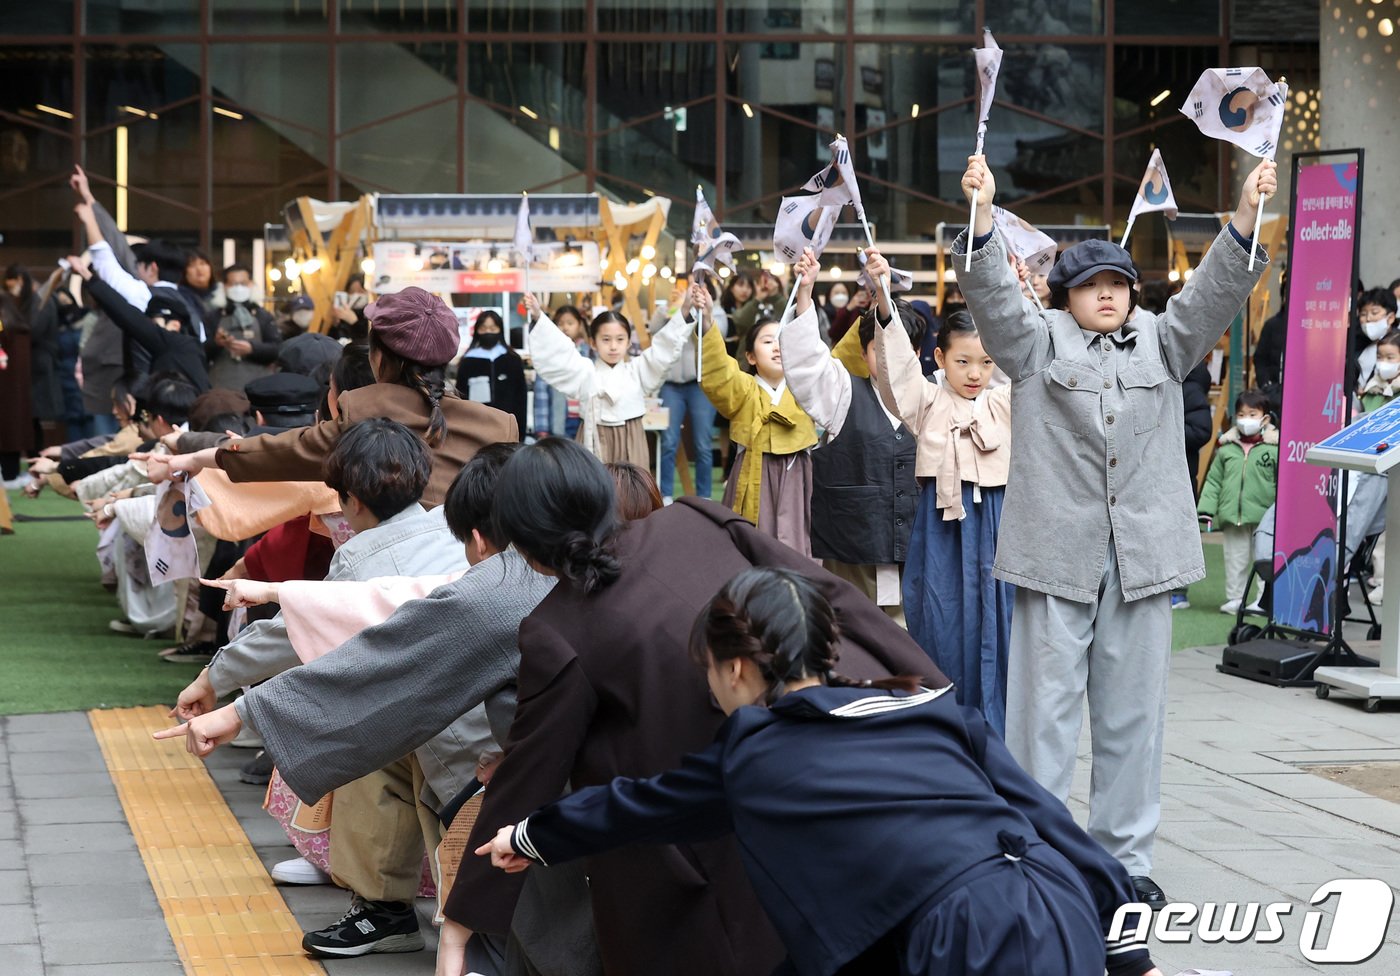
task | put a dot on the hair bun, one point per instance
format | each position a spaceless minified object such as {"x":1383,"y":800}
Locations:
{"x":587,"y":563}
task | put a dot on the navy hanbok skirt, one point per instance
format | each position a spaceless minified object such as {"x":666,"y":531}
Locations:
{"x":956,"y":611}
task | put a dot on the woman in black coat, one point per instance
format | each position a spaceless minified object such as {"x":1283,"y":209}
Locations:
{"x":491,"y":372}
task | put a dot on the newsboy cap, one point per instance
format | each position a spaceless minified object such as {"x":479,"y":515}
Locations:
{"x":1087,"y":258}
{"x":415,"y":324}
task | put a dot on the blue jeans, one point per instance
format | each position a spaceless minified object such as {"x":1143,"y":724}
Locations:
{"x":680,"y":398}
{"x":101,"y":423}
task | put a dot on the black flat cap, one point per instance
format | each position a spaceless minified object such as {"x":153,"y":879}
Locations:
{"x":1087,"y":258}
{"x":289,"y":393}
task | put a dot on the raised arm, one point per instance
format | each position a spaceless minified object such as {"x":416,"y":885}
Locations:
{"x":667,"y":346}
{"x":1014,"y":332}
{"x":900,"y":379}
{"x":819,"y":382}
{"x":556,"y":358}
{"x":727,"y":386}
{"x":106,"y":265}
{"x":124,"y":315}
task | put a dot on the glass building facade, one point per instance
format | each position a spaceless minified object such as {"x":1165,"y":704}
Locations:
{"x":215,"y":113}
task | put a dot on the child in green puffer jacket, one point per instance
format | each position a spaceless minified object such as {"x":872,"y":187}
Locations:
{"x":1240,"y":487}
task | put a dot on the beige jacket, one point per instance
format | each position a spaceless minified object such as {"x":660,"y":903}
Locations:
{"x":959,"y":439}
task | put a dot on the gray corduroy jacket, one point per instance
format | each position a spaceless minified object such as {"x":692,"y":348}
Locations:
{"x":1097,"y":438}
{"x":415,"y":542}
{"x":392,"y":688}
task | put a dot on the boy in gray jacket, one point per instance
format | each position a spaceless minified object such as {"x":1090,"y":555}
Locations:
{"x":1100,"y":524}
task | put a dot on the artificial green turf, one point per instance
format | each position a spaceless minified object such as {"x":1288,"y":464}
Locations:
{"x":1204,"y":625}
{"x":56,"y":651}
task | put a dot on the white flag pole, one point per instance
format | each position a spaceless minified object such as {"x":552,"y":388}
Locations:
{"x":527,"y":311}
{"x":1126,"y":231}
{"x":1258,"y":220}
{"x":971,"y":223}
{"x":699,"y":337}
{"x":884,"y":279}
{"x":792,"y":300}
{"x":1034,"y":297}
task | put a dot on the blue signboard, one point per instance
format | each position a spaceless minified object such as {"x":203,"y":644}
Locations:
{"x":1372,"y":443}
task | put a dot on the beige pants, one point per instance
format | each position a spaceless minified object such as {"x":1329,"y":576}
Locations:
{"x":379,"y":831}
{"x":862,"y":577}
{"x":1239,"y":555}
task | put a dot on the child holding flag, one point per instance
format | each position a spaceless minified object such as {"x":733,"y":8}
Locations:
{"x":1100,"y":520}
{"x":770,"y":483}
{"x":864,"y":492}
{"x":612,"y":389}
{"x":957,"y":612}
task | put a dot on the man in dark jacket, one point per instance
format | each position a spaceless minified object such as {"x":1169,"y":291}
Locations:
{"x":246,"y":340}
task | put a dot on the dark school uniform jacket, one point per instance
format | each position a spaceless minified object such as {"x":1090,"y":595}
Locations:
{"x":177,"y":352}
{"x":607,"y":689}
{"x":852,"y":809}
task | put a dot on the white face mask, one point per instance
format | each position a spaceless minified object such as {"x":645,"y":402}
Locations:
{"x":1249,"y":426}
{"x":302,"y":317}
{"x":1375,"y":331}
{"x":838,"y":300}
{"x":359,"y":300}
{"x":238,"y":294}
{"x":1388,"y":371}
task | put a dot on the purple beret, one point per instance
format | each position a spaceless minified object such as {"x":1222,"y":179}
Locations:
{"x":415,"y":324}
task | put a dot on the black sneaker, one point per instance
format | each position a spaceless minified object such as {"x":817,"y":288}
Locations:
{"x":190,"y":652}
{"x":257,"y":771}
{"x":369,"y":926}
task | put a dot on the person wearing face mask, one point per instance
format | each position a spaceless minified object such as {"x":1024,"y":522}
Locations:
{"x":245,"y":342}
{"x":846,"y":305}
{"x":165,"y":331}
{"x":1240,"y":487}
{"x":301,"y":310}
{"x":491,"y":372}
{"x":1376,"y":316}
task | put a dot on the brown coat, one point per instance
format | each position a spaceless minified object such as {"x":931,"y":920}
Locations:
{"x":297,"y":454}
{"x":607,"y":689}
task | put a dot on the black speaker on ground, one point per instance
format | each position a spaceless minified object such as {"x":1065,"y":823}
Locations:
{"x":1281,"y":662}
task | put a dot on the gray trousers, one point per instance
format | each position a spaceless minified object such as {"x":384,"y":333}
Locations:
{"x":1119,"y":653}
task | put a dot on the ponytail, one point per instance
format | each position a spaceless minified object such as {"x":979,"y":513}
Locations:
{"x":777,"y":619}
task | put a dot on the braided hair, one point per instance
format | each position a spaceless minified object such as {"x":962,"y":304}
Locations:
{"x":779,"y":620}
{"x":431,"y":381}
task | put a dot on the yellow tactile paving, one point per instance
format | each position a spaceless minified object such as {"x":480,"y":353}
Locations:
{"x":225,"y":916}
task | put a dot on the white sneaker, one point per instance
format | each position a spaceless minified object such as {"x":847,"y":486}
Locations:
{"x":667,"y":500}
{"x":298,"y":871}
{"x":1230,"y":606}
{"x":1255,"y":607}
{"x":1376,"y":595}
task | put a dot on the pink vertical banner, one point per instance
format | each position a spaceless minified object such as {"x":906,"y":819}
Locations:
{"x":1321,"y":269}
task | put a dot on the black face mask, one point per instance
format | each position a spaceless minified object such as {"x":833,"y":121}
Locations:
{"x":488,"y":340}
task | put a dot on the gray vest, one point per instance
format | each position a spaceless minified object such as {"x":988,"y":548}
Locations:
{"x":864,"y":493}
